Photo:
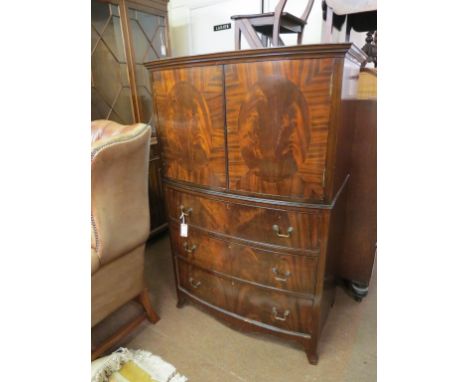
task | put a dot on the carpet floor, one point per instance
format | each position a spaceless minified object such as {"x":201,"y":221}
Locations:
{"x":204,"y":349}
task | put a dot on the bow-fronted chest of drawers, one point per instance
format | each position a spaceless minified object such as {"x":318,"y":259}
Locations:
{"x":255,"y":148}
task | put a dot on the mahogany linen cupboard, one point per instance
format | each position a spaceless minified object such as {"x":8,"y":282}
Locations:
{"x":255,"y":148}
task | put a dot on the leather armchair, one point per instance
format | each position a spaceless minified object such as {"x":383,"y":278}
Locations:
{"x":120,"y":222}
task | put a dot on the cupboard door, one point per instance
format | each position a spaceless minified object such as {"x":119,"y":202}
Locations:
{"x":190,"y":110}
{"x":278,"y":116}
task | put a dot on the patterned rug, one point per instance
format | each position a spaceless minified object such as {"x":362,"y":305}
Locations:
{"x":126,"y":365}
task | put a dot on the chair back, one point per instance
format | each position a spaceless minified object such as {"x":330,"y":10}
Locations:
{"x":119,"y":187}
{"x":282,"y":3}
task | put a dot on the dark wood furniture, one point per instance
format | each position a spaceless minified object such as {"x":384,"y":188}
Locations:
{"x":256,"y":146}
{"x":363,"y":21}
{"x":270,"y":25}
{"x":110,"y":342}
{"x":360,"y":241}
{"x":124,"y":35}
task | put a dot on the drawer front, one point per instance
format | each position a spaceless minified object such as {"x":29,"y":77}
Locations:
{"x":202,"y":250}
{"x":210,"y":288}
{"x":190,"y":106}
{"x":278,"y":116}
{"x":264,"y":225}
{"x":294,"y":273}
{"x":289,"y":272}
{"x":274,"y":308}
{"x":255,"y":303}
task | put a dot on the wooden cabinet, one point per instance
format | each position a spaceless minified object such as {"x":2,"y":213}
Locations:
{"x":124,"y":35}
{"x":255,"y":146}
{"x":359,"y":252}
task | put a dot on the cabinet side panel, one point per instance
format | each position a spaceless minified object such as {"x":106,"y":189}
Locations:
{"x":361,"y":212}
{"x":341,"y":126}
{"x":335,"y":243}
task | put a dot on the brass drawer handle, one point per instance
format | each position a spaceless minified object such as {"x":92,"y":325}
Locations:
{"x":191,"y":249}
{"x":185,"y":211}
{"x":279,"y":318}
{"x":279,"y":234}
{"x":280,"y":276}
{"x":194,"y":284}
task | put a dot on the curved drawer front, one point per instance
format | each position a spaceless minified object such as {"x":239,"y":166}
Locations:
{"x":294,"y":273}
{"x":210,"y":288}
{"x":202,"y":250}
{"x":259,"y":224}
{"x":274,"y":308}
{"x":289,"y":272}
{"x":255,"y":303}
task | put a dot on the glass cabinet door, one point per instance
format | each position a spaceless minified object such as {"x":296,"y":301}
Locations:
{"x":149,"y":43}
{"x":110,"y":89}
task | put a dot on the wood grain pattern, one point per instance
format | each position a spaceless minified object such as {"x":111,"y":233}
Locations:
{"x":264,"y":199}
{"x":248,"y":222}
{"x":191,"y":119}
{"x":278,"y":119}
{"x":358,"y":256}
{"x":215,"y":290}
{"x":254,"y":303}
{"x":284,"y":271}
{"x":351,"y":51}
{"x":273,"y":308}
{"x":340,"y":139}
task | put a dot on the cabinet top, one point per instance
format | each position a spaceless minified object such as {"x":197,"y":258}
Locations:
{"x":348,"y":50}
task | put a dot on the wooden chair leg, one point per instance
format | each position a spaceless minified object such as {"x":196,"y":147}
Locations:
{"x":150,"y":314}
{"x":299,"y":37}
{"x":237,"y":36}
{"x":249,"y":33}
{"x":116,"y":337}
{"x":144,"y":300}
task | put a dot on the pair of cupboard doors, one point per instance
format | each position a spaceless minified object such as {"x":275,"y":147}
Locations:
{"x":258,"y":128}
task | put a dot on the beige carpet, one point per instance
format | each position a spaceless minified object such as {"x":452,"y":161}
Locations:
{"x":204,"y":349}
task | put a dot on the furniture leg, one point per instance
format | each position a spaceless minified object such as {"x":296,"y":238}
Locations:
{"x":358,"y":290}
{"x":250,"y":34}
{"x":348,"y":29}
{"x":181,"y":300}
{"x":299,"y":37}
{"x":311,"y":352}
{"x":237,"y":35}
{"x":144,"y":300}
{"x":150,"y":314}
{"x":117,"y":337}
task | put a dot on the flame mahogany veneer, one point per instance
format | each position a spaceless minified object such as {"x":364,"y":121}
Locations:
{"x":255,"y":148}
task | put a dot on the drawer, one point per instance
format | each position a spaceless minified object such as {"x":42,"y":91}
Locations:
{"x":254,"y":223}
{"x":210,"y":288}
{"x":289,"y":272}
{"x":294,"y":273}
{"x":274,"y":308}
{"x":201,"y":249}
{"x":262,"y":305}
